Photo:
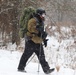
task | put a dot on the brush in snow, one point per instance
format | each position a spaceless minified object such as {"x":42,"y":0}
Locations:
{"x":57,"y":68}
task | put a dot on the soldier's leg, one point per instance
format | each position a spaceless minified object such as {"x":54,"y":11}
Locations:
{"x":25,"y":56}
{"x":40,"y":54}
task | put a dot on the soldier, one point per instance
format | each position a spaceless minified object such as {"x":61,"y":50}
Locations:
{"x":36,"y":35}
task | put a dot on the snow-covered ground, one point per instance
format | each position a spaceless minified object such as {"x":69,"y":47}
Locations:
{"x":9,"y":62}
{"x":59,"y":54}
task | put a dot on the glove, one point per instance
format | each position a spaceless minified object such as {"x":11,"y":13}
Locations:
{"x":45,"y":42}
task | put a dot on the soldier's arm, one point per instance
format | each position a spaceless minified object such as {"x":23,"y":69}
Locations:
{"x":32,"y":26}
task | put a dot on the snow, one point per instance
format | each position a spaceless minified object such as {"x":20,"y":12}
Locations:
{"x":60,"y":55}
{"x":9,"y":62}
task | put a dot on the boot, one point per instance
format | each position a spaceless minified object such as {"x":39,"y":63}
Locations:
{"x":49,"y":71}
{"x":21,"y":70}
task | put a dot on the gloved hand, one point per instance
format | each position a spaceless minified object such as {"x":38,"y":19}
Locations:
{"x":45,"y":42}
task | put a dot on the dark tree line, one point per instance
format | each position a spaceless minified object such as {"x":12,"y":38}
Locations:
{"x":10,"y":12}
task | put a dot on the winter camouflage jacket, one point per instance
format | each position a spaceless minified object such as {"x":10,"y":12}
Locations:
{"x":32,"y":31}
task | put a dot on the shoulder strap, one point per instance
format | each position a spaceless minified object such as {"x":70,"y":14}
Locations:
{"x":36,"y":20}
{"x":38,"y":23}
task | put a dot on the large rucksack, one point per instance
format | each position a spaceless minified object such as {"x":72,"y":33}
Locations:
{"x":26,"y":15}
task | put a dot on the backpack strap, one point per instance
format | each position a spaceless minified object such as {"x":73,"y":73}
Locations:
{"x":39,"y":24}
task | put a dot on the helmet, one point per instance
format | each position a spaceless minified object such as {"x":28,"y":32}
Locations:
{"x":40,"y":11}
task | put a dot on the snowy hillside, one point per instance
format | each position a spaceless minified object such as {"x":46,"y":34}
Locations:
{"x":9,"y":62}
